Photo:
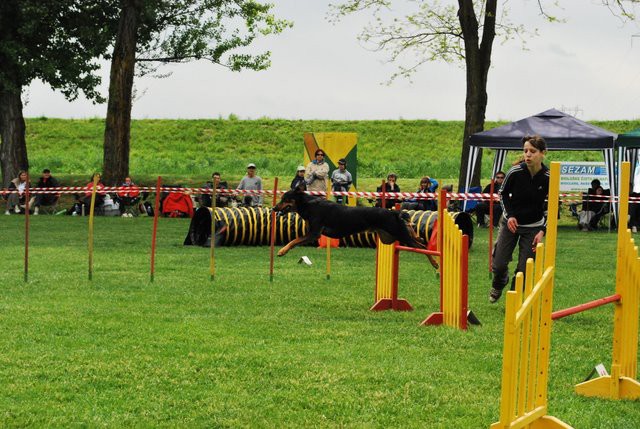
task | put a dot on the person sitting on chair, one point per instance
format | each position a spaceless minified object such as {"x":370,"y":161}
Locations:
{"x":48,"y":200}
{"x":594,"y":207}
{"x":127,"y":197}
{"x":17,"y":199}
{"x":83,"y":204}
{"x":482,"y":208}
{"x":427,"y":186}
{"x":389,"y":186}
{"x":221,"y":199}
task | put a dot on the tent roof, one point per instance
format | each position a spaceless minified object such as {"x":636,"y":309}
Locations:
{"x":629,"y":139}
{"x":561,"y":132}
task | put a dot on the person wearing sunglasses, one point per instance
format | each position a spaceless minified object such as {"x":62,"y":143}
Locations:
{"x":317,"y":172}
{"x":482,"y":208}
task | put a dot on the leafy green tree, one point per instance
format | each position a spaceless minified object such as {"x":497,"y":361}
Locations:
{"x":155,"y":32}
{"x":453,"y":33}
{"x":56,"y":41}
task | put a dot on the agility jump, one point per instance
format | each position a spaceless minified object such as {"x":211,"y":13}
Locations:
{"x":452,"y":250}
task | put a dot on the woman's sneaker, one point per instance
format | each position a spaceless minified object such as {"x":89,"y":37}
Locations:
{"x":494,"y":295}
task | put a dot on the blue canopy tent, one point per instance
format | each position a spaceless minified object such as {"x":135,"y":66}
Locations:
{"x":561,"y":132}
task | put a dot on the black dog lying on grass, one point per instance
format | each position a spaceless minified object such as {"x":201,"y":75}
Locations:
{"x":337,"y":221}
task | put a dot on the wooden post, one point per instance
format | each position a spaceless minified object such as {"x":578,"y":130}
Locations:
{"x":212,"y":262}
{"x":156,"y":210}
{"x":96,"y":178}
{"x":272,"y":240}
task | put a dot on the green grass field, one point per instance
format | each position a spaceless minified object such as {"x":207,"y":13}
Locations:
{"x":188,"y":151}
{"x":243,"y":352}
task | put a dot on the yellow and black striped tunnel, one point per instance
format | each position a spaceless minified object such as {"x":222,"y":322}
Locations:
{"x":251,"y":227}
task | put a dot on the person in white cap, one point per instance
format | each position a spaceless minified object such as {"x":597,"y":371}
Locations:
{"x":251,"y":182}
{"x":298,"y":181}
{"x":317,"y":173}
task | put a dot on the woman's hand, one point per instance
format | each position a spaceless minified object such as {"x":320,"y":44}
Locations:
{"x":537,"y":239}
{"x":512,"y":224}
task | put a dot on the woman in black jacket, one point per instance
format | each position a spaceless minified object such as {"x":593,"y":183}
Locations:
{"x":523,"y":223}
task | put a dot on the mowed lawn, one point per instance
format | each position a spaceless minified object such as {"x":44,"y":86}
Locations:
{"x":242,"y":351}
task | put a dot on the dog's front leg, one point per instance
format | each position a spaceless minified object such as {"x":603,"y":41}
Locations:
{"x":311,"y":236}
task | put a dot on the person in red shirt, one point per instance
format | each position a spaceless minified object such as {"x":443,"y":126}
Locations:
{"x":83,"y":205}
{"x":128,"y":196}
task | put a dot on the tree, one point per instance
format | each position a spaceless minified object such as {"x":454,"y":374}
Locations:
{"x":56,"y":41}
{"x":155,"y":32}
{"x":464,"y":33}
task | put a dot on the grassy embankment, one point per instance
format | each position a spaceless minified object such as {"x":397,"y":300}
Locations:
{"x":243,"y":352}
{"x":187,"y":151}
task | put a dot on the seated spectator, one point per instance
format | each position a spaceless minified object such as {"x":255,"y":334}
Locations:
{"x":573,"y":207}
{"x":127,"y":197}
{"x":46,"y":200}
{"x":594,"y":206}
{"x":483,"y":206}
{"x":251,"y":182}
{"x":341,"y":181}
{"x":19,"y":198}
{"x":389,"y":186}
{"x":222,"y":200}
{"x":82,"y":207}
{"x":427,"y":185}
{"x":298,"y":181}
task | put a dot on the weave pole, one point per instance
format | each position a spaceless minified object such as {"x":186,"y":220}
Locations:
{"x":156,"y":210}
{"x":328,"y":240}
{"x":96,"y":177}
{"x":26,"y":231}
{"x":272,"y":239}
{"x":212,"y":259}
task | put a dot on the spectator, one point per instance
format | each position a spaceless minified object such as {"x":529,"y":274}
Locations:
{"x":298,"y":181}
{"x":221,"y":199}
{"x":83,"y":204}
{"x":573,"y":207}
{"x":523,"y":194}
{"x":127,"y":197}
{"x":341,"y":181}
{"x":15,"y":200}
{"x":49,"y":200}
{"x":427,"y":185}
{"x":482,"y":208}
{"x":317,"y":173}
{"x":389,"y":186}
{"x":594,"y":206}
{"x":251,"y":182}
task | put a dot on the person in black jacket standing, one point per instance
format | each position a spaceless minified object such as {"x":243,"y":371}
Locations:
{"x":523,"y":223}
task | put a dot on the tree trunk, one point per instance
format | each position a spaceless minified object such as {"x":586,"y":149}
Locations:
{"x":13,"y":147}
{"x":118,"y":123}
{"x":478,"y":61}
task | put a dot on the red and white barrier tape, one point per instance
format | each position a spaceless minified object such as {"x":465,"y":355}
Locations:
{"x":572,"y":197}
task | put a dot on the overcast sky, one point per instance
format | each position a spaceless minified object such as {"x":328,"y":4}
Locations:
{"x":589,"y":65}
